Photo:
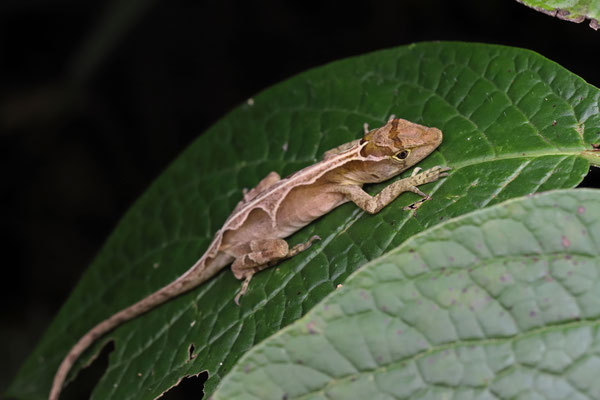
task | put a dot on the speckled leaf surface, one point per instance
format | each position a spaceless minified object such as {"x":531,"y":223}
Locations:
{"x":513,"y":122}
{"x":502,"y":303}
{"x":569,"y":10}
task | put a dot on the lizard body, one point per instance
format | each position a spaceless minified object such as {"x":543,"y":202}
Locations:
{"x":251,"y":239}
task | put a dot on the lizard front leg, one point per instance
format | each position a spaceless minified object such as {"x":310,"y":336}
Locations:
{"x":374,"y":204}
{"x":257,"y":255}
{"x":266,"y":182}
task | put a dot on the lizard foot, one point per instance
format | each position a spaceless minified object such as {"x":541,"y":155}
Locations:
{"x":428,"y":176}
{"x":302,"y":246}
{"x":419,"y":177}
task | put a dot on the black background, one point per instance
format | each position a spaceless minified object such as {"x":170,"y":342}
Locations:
{"x":84,"y":128}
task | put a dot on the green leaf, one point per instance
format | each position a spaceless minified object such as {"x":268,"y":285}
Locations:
{"x":569,"y":10}
{"x":513,"y":123}
{"x":502,"y":303}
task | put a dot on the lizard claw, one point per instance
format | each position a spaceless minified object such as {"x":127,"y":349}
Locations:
{"x":243,"y":289}
{"x":415,"y":206}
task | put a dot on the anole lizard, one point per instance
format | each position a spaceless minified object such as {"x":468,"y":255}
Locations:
{"x":251,"y":239}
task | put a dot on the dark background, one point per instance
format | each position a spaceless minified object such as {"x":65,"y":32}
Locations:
{"x":97,"y":97}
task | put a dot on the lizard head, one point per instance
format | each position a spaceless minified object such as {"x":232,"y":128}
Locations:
{"x":398,"y":145}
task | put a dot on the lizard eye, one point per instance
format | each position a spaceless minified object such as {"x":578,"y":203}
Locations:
{"x":401,"y":155}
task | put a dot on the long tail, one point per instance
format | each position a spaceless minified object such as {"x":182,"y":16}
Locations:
{"x":192,"y":278}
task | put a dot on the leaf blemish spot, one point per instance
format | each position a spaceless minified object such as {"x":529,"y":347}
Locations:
{"x":565,"y":242}
{"x":580,"y":209}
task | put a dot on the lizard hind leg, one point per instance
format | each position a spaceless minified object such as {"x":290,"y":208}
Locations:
{"x":260,"y":254}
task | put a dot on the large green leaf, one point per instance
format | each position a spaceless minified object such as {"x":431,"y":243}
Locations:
{"x":514,"y":123}
{"x":569,"y":10}
{"x":502,"y":303}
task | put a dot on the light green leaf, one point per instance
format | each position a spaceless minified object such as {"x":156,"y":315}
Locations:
{"x":513,"y":122}
{"x":569,"y":10}
{"x":502,"y":303}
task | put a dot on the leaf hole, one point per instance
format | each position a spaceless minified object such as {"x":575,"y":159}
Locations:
{"x":88,"y":377}
{"x":191,"y":354}
{"x":188,"y":387}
